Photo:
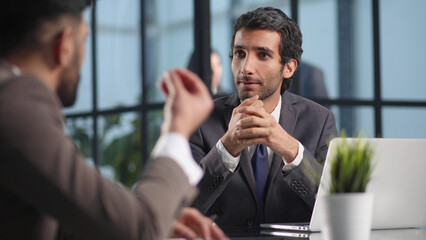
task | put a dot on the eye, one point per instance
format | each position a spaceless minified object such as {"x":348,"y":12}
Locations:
{"x":263,"y":55}
{"x":239,"y":53}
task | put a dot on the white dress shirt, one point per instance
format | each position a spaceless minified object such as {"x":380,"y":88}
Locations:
{"x":176,"y":147}
{"x":232,"y":162}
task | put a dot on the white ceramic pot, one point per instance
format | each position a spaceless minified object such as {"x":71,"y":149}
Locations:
{"x":347,"y":216}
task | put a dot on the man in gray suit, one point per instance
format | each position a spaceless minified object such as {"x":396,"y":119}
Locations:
{"x":45,"y":185}
{"x":262,"y":148}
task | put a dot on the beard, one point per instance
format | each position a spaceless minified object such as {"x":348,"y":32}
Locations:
{"x":267,"y":88}
{"x":68,"y":82}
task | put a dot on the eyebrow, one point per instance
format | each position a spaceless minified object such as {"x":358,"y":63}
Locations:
{"x":265,"y":49}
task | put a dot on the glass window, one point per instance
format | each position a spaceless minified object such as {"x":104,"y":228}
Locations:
{"x":169,"y":40}
{"x":119,"y":53}
{"x":80,"y":130}
{"x":221,"y":33}
{"x":355,"y":120}
{"x":120,"y":147}
{"x":155,"y":119}
{"x":404,"y":122}
{"x":337,"y":44}
{"x":318,"y":23}
{"x":363,"y":61}
{"x":402,"y":41}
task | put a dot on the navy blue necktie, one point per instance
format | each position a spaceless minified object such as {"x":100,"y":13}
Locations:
{"x":259,"y":163}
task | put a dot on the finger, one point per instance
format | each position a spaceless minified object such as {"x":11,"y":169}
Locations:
{"x":250,"y":133}
{"x":182,"y":231}
{"x":217,"y":233}
{"x":199,"y":222}
{"x":249,"y":101}
{"x":177,"y":82}
{"x":252,"y":141}
{"x":257,"y":103}
{"x":251,"y":121}
{"x":192,"y":82}
{"x":250,"y":110}
{"x":166,"y":84}
{"x":204,"y":225}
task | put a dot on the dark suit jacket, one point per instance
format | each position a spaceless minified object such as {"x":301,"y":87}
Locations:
{"x":44,"y":182}
{"x":230,"y":197}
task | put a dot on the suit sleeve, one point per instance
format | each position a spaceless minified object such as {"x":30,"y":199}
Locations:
{"x":304,"y":179}
{"x":42,"y":165}
{"x":216,"y":174}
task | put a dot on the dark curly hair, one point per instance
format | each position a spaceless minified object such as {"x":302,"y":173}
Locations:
{"x":274,"y":19}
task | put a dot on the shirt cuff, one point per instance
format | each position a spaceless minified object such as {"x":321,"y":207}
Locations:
{"x":176,"y":147}
{"x":230,"y":162}
{"x":290,"y":166}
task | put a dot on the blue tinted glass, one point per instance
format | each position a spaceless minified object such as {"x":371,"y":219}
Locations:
{"x":118,"y":53}
{"x":403,"y":49}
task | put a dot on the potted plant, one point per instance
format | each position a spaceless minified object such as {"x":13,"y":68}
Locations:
{"x":348,"y":207}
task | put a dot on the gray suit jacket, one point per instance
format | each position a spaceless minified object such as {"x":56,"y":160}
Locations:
{"x":44,"y":182}
{"x":230,"y":198}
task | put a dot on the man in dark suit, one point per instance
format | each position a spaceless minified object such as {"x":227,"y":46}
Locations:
{"x":45,"y":185}
{"x":246,"y":183}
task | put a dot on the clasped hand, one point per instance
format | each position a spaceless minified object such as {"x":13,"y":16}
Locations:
{"x":250,"y":124}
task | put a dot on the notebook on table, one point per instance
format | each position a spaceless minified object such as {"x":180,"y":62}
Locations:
{"x":398,"y":182}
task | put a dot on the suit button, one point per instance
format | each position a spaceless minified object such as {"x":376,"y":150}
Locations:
{"x":250,"y":222}
{"x":304,"y":193}
{"x":210,"y":189}
{"x":294,"y":183}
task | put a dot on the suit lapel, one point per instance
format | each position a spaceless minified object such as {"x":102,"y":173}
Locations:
{"x":247,"y":170}
{"x":288,"y":118}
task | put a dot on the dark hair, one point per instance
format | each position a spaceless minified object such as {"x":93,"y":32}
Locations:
{"x":192,"y":61}
{"x":20,"y":19}
{"x":274,"y":19}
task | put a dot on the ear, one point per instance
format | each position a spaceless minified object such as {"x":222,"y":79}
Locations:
{"x":289,"y":68}
{"x":64,"y":47}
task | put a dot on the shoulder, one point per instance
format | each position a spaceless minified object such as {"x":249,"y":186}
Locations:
{"x":24,"y":96}
{"x":303,"y":103}
{"x":306,"y":107}
{"x":23,"y":88}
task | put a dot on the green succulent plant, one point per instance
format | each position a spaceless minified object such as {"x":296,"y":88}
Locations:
{"x":351,"y":166}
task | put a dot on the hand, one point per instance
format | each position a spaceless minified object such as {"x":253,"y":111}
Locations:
{"x":188,"y":102}
{"x":259,"y":127}
{"x":192,"y":224}
{"x":229,"y":140}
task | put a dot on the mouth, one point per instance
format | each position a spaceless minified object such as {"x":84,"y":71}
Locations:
{"x":248,"y":82}
{"x":249,"y":85}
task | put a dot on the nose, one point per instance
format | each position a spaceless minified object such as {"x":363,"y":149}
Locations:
{"x":247,"y":68}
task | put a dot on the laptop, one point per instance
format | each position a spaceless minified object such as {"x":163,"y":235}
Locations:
{"x":398,"y":182}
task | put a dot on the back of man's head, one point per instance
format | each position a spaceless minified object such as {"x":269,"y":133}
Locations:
{"x":20,"y":20}
{"x":274,"y":19}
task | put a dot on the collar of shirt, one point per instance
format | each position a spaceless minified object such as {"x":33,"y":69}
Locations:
{"x":276,"y":114}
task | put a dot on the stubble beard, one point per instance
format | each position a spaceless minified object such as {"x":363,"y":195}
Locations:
{"x":69,"y":80}
{"x":264,"y":91}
